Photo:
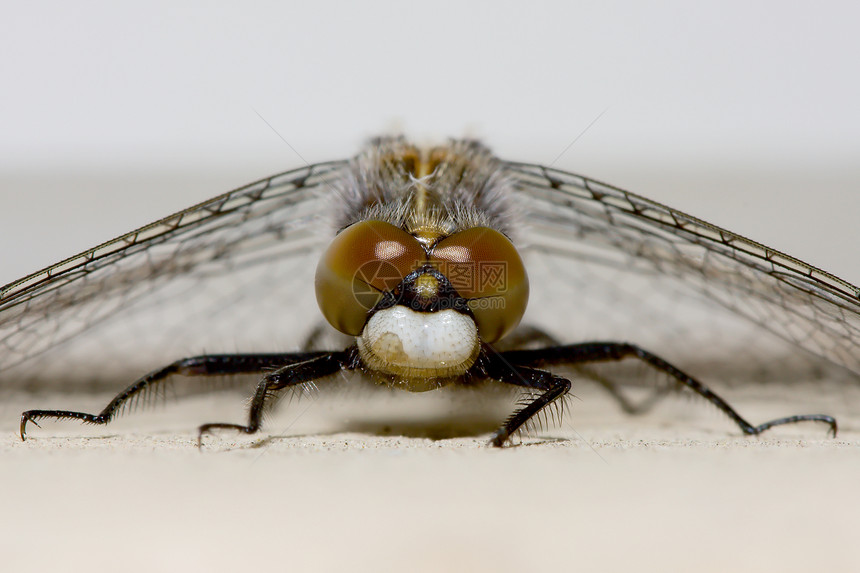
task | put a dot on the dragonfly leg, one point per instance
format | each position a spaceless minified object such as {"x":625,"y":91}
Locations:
{"x":291,"y":375}
{"x":207,"y":365}
{"x":614,"y":351}
{"x":554,"y":387}
{"x":526,"y":337}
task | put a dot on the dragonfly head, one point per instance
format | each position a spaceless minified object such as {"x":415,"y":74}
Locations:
{"x":421,"y":309}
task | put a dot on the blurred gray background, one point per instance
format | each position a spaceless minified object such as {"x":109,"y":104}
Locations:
{"x":742,"y":113}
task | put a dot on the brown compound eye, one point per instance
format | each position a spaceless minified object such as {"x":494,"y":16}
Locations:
{"x":485,"y":268}
{"x":363,"y":261}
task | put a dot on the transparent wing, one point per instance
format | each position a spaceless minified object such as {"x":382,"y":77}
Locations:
{"x":629,"y":267}
{"x":209,"y":277}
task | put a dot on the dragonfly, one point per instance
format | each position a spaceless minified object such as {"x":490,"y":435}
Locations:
{"x":431,"y":268}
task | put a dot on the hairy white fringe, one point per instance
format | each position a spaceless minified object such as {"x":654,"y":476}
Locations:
{"x":471,"y":185}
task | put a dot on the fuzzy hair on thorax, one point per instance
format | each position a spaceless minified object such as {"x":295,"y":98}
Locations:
{"x":437,"y":191}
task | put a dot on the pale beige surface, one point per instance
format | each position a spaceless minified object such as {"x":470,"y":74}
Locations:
{"x":677,"y":489}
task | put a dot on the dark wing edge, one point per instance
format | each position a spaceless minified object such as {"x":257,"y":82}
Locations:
{"x":824,"y":309}
{"x":50,"y":308}
{"x":196,"y":215}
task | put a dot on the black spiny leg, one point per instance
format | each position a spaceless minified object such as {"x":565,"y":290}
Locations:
{"x":495,"y":367}
{"x":291,"y":375}
{"x":613,"y":351}
{"x":208,"y":365}
{"x":531,"y":337}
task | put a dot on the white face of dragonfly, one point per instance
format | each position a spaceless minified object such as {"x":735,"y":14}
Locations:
{"x":404,"y":342}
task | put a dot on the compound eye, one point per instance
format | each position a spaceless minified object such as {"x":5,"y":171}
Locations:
{"x":361,"y":263}
{"x":485,"y":268}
